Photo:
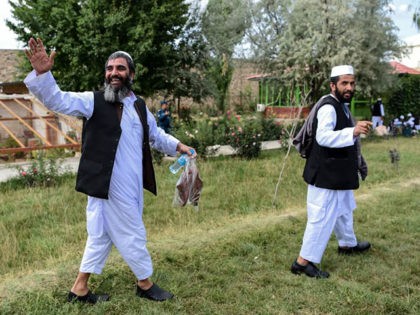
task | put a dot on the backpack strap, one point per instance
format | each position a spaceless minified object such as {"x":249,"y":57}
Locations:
{"x":149,"y":179}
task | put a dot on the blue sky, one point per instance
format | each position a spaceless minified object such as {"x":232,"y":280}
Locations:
{"x":402,"y":15}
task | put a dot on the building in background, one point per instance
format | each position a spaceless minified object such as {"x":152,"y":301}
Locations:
{"x":412,"y":59}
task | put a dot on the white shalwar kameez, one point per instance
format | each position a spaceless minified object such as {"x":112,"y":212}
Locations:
{"x":329,"y":210}
{"x":118,"y":219}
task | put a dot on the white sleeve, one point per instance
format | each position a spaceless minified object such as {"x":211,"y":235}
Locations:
{"x":45,"y":88}
{"x":382,"y":110}
{"x":325,"y":134}
{"x":160,"y":140}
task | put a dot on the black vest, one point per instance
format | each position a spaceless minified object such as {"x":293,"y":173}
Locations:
{"x":332,"y":168}
{"x":376,"y":109}
{"x":100,"y":136}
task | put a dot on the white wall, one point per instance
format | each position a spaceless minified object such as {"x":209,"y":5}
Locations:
{"x":412,"y":60}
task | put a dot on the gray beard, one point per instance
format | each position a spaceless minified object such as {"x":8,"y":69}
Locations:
{"x":114,"y":96}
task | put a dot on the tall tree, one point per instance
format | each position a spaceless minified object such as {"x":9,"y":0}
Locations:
{"x":86,"y":32}
{"x":299,"y":41}
{"x":224,"y":25}
{"x":416,"y":18}
{"x":187,"y":77}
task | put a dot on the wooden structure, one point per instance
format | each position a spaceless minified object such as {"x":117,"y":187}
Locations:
{"x":32,"y":126}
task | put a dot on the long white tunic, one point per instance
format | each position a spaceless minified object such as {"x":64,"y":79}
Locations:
{"x":117,"y":220}
{"x":328,"y":209}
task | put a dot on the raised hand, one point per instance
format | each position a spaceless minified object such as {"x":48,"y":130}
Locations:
{"x":38,"y":57}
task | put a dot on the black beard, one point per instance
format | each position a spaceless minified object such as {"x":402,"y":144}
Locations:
{"x":341,"y":97}
{"x":117,"y":95}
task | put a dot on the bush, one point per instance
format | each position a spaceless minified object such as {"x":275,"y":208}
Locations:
{"x":41,"y":173}
{"x":270,"y":129}
{"x":246,"y":139}
{"x":405,"y":99}
{"x":244,"y":135}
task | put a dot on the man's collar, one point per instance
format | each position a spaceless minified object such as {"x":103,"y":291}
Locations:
{"x":335,"y":97}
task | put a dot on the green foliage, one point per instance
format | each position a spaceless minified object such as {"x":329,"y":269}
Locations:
{"x":299,"y":41}
{"x":245,"y":138}
{"x":202,"y":134}
{"x":40,"y":173}
{"x":416,"y":17}
{"x":243,"y":133}
{"x":84,"y":33}
{"x":270,"y":129}
{"x":220,"y":72}
{"x":9,"y":142}
{"x":224,"y":24}
{"x":405,"y":98}
{"x":187,"y":77}
{"x":157,"y":156}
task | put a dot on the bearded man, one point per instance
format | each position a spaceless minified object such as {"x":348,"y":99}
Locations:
{"x":115,"y":165}
{"x":332,"y":172}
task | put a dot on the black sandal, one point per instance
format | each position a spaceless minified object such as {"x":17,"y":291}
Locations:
{"x":88,"y":298}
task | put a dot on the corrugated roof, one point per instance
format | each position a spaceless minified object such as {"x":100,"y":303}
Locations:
{"x":402,"y":69}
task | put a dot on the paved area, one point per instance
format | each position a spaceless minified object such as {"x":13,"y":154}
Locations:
{"x":8,"y":170}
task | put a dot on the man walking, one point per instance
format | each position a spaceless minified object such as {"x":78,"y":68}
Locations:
{"x":331,"y":172}
{"x":114,"y":167}
{"x":378,"y":113}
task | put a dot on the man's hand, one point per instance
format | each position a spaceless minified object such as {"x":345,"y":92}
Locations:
{"x":38,"y":57}
{"x":182,"y":148}
{"x":362,"y":127}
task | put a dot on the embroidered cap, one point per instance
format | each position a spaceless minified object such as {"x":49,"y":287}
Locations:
{"x":341,"y":70}
{"x":124,"y":53}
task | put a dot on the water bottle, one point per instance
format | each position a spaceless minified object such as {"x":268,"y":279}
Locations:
{"x":180,"y":162}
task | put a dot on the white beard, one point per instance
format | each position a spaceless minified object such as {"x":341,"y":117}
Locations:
{"x":115,"y":95}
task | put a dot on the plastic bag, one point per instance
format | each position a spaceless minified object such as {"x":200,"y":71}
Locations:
{"x":189,"y":186}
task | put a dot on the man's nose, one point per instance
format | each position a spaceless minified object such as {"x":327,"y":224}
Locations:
{"x":114,"y":71}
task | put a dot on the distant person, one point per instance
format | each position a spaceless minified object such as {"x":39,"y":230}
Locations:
{"x":409,"y":128}
{"x":115,"y":166}
{"x":164,"y":117}
{"x":416,"y":123}
{"x":410,"y":122}
{"x":332,"y":170}
{"x":378,"y":113}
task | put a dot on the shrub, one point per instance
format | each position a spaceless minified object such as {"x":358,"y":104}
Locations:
{"x":245,"y":138}
{"x":40,"y":173}
{"x":270,"y":129}
{"x":405,"y":98}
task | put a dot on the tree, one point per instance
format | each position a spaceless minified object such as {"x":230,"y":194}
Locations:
{"x":224,"y":25}
{"x":187,"y":77}
{"x":416,"y":18}
{"x":299,"y":41}
{"x":86,"y":32}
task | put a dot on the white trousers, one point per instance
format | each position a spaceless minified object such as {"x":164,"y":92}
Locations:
{"x":328,"y":210}
{"x":377,"y":121}
{"x":116,"y":222}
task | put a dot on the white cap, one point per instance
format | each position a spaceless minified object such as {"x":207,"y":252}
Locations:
{"x":341,"y":70}
{"x":124,"y":53}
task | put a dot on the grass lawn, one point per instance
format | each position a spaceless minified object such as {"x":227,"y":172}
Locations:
{"x":233,"y":256}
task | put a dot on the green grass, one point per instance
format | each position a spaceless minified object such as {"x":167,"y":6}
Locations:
{"x":234,"y":255}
